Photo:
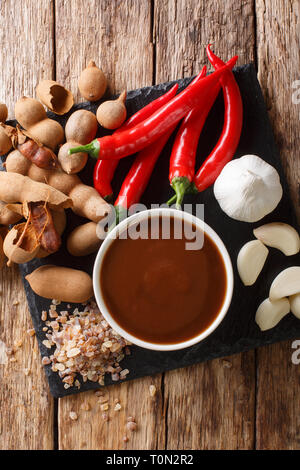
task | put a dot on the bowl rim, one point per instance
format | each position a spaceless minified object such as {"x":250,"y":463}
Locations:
{"x":111,"y":236}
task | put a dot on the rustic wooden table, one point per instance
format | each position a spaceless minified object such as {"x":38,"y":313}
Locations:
{"x":246,"y":401}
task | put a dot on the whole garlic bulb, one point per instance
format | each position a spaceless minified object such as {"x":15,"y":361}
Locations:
{"x":248,"y":189}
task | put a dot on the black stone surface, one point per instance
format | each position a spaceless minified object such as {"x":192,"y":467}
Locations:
{"x":238,"y":331}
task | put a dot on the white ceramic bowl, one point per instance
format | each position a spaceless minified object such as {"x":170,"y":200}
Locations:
{"x":137,"y":218}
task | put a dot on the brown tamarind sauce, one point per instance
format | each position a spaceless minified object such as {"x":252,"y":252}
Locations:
{"x":159,"y":291}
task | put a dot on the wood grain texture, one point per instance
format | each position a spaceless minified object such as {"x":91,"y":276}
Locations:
{"x":117,"y":36}
{"x":207,"y":406}
{"x":277,"y":409}
{"x":90,"y":431}
{"x":26,"y":405}
{"x":183,"y":28}
{"x":278,"y":52}
{"x":210,"y":405}
{"x":27,"y":33}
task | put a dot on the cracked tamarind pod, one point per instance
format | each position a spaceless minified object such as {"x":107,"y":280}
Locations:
{"x":86,"y":200}
{"x":20,"y":244}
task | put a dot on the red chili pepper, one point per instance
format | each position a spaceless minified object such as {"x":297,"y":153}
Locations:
{"x":145,"y":133}
{"x":228,"y":142}
{"x":149,"y":109}
{"x":104,"y":169}
{"x":139,"y":174}
{"x":183,"y":156}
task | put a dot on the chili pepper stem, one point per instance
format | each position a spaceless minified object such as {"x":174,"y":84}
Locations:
{"x":191,"y":189}
{"x":180,"y":185}
{"x":92,"y":149}
{"x":120,"y":214}
{"x":172,"y":200}
{"x":108,"y":198}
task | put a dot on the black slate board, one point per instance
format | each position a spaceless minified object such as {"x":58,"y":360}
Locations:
{"x":238,"y":331}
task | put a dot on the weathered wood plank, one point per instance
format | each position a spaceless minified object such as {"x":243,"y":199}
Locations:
{"x":26,"y":405}
{"x":277,"y":409}
{"x":114,"y":34}
{"x":211,"y":405}
{"x":90,"y":431}
{"x":278,"y":48}
{"x":117,"y":36}
{"x":182,"y":29}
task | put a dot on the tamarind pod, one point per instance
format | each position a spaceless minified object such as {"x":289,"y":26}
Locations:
{"x":2,"y":254}
{"x":8,"y":216}
{"x":84,"y":240}
{"x":41,"y":156}
{"x":15,"y":187}
{"x":86,"y":200}
{"x":20,"y":244}
{"x":57,"y":282}
{"x":45,"y":231}
{"x":60,"y":221}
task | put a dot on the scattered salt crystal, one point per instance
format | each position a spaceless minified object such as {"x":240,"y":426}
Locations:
{"x":73,"y":352}
{"x":123,"y":373}
{"x":46,"y":361}
{"x":31,"y":332}
{"x":44,"y":315}
{"x":131,"y":426}
{"x":85,"y":407}
{"x":73,"y":415}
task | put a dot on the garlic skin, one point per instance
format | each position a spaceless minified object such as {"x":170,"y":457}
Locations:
{"x":269,"y":313}
{"x":248,"y":188}
{"x":295,"y":305}
{"x":279,"y":235}
{"x":287,"y":283}
{"x":250,"y":261}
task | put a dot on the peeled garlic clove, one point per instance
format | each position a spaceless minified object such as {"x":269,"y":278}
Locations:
{"x":295,"y":305}
{"x":269,"y":313}
{"x":279,"y":235}
{"x":286,"y":283}
{"x":251,"y":260}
